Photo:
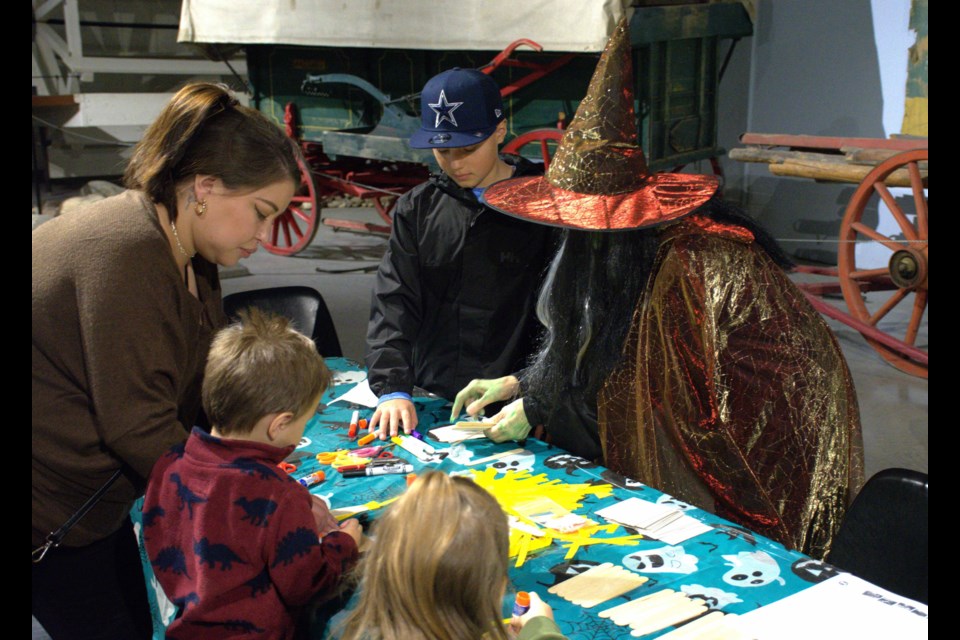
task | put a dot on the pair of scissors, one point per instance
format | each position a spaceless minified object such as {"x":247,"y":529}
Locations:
{"x":288,"y":467}
{"x":339,"y":458}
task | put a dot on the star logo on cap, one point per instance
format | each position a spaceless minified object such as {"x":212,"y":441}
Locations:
{"x":444,"y":110}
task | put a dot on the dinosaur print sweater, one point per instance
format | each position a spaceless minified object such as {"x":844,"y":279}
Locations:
{"x":233,"y":542}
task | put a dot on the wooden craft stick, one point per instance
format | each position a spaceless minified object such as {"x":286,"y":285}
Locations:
{"x":642,"y":611}
{"x":624,"y":610}
{"x":570,"y":586}
{"x":495,"y":456}
{"x":650,"y":611}
{"x":474,"y":426}
{"x":596,"y":585}
{"x":698,"y":629}
{"x":667,"y":617}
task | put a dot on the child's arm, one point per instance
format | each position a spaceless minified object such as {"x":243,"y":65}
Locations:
{"x":326,"y":523}
{"x":300,"y":563}
{"x":537,"y":623}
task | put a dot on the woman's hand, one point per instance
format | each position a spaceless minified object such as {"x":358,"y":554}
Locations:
{"x":511,"y":423}
{"x":479,"y":393}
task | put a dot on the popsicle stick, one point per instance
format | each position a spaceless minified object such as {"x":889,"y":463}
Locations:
{"x":495,"y":456}
{"x":474,"y":426}
{"x":571,"y":587}
{"x":596,"y":585}
{"x":667,"y":617}
{"x":622,"y":614}
{"x":699,"y":629}
{"x":650,"y":612}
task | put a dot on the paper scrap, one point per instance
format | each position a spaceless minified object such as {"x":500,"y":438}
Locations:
{"x":359,"y":394}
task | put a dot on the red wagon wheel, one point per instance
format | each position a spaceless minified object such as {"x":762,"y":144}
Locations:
{"x":545,"y":142}
{"x":295,"y":228}
{"x":906,"y":272}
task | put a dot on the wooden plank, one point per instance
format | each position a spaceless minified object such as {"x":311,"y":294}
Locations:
{"x":66,"y":100}
{"x":849,"y":155}
{"x":829,"y":142}
{"x":837,"y":172}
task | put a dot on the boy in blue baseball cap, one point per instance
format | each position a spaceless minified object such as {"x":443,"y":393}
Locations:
{"x":454,"y":296}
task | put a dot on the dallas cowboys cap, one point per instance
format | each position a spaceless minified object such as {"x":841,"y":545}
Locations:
{"x":458,"y":108}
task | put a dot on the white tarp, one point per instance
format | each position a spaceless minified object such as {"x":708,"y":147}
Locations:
{"x":485,"y":25}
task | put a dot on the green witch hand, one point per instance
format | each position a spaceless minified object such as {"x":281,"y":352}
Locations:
{"x":511,"y":423}
{"x":479,"y":393}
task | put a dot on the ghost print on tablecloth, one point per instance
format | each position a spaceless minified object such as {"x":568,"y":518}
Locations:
{"x":568,"y":462}
{"x":514,"y":462}
{"x":669,"y":559}
{"x":752,"y":569}
{"x":715,"y":599}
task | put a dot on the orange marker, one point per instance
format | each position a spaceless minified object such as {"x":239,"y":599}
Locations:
{"x":410,"y":478}
{"x":367,"y":439}
{"x":363,"y":423}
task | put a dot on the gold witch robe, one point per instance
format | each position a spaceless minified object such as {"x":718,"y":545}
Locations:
{"x":734,"y":395}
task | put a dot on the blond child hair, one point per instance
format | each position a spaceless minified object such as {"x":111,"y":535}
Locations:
{"x":437,"y":567}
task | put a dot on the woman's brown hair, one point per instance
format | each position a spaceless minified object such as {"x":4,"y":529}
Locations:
{"x":205,"y":130}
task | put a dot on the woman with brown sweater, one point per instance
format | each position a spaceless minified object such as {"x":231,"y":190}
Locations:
{"x":126,"y":297}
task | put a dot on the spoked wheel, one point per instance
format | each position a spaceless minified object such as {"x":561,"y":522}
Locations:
{"x":537,"y":145}
{"x":384,"y":205}
{"x":295,"y":228}
{"x":905,"y":274}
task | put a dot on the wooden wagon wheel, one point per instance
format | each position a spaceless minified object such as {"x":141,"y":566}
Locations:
{"x":546,"y":141}
{"x":295,"y":228}
{"x":906,"y":272}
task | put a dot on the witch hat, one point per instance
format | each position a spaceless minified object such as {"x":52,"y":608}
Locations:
{"x":598,"y":178}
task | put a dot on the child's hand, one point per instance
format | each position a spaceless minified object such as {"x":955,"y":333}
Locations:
{"x":326,"y":523}
{"x":390,"y":415}
{"x":351,"y":527}
{"x":537,"y":608}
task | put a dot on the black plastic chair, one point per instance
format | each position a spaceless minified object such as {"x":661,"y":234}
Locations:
{"x":883,"y":537}
{"x":303,"y":305}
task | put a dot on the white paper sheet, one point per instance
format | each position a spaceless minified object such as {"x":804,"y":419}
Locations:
{"x":843,"y":606}
{"x":657,"y":521}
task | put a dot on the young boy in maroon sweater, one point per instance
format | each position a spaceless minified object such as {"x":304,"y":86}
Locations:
{"x":237,"y":545}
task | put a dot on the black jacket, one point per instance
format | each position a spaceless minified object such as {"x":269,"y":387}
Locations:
{"x":455,"y":292}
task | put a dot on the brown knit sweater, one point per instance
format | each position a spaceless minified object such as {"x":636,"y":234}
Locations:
{"x":119,"y":346}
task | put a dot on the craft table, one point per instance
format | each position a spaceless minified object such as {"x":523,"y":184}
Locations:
{"x":730,"y":569}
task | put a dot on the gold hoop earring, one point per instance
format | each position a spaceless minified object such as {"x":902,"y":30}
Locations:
{"x":200,"y":208}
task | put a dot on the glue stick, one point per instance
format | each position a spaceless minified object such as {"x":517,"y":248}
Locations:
{"x":314,"y":478}
{"x":522,"y":604}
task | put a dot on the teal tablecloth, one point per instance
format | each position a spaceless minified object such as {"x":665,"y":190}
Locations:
{"x":730,"y":568}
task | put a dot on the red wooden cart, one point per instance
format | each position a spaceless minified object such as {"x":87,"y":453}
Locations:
{"x":877,"y":165}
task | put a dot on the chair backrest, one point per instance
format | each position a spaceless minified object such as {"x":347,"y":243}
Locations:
{"x":303,"y":305}
{"x":883,"y":537}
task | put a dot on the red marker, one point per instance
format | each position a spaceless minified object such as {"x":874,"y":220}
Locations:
{"x":353,"y":424}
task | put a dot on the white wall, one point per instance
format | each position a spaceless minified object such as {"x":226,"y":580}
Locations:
{"x":817,"y":67}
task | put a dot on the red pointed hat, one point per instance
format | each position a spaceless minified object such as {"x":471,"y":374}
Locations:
{"x":598,"y":178}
